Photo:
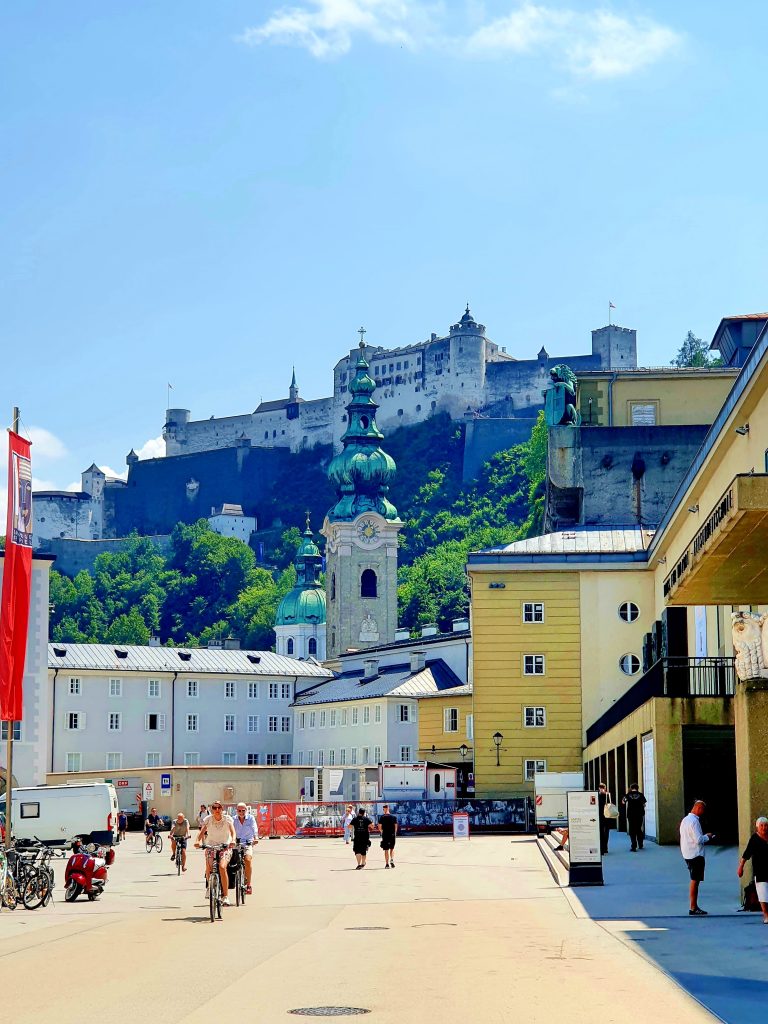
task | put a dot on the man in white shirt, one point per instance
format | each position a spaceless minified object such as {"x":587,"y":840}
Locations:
{"x":692,"y":842}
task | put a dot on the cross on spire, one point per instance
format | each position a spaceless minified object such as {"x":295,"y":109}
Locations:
{"x":361,"y":331}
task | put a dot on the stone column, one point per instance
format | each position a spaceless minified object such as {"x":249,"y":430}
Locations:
{"x":751,"y":721}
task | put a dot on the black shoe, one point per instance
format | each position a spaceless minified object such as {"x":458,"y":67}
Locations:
{"x":386,"y":867}
{"x":358,"y":867}
{"x":698,"y":912}
{"x":633,"y":849}
{"x":391,"y":863}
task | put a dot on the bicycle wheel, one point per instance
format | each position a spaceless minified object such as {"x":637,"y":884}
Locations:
{"x":36,"y":889}
{"x":237,"y":888}
{"x":213,"y":891}
{"x":150,"y":844}
{"x":159,"y":843}
{"x":178,"y":859}
{"x":10,"y":899}
{"x":242,"y":886}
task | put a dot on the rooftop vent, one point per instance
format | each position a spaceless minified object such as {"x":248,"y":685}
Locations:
{"x":154,"y":641}
{"x":254,"y":659}
{"x":370,"y":669}
{"x":215,"y":645}
{"x":417,"y":661}
{"x":120,"y":653}
{"x":232,"y":643}
{"x":402,"y":634}
{"x":184,"y":655}
{"x":60,"y":652}
{"x":429,"y":630}
{"x":459,"y":625}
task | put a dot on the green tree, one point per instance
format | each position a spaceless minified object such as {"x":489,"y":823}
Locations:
{"x":695,"y":352}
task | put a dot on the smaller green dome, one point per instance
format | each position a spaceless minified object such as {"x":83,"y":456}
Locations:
{"x":302,"y":607}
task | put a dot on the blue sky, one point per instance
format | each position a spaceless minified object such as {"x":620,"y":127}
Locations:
{"x":206,"y":193}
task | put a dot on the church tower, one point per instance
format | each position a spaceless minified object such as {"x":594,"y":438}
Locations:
{"x":300,"y":620}
{"x":361,"y":531}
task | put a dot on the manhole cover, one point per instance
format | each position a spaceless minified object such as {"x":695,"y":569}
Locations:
{"x":328,"y":1011}
{"x":367,"y":928}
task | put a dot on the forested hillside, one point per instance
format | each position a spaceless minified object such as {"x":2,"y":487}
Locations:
{"x":210,"y":586}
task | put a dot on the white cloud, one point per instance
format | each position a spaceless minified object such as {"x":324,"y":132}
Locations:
{"x":593,"y":44}
{"x":46,"y":445}
{"x":154,"y":448}
{"x":108,"y":471}
{"x":596,"y":43}
{"x":327,"y":27}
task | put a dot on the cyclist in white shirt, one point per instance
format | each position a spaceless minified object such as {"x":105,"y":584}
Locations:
{"x":218,"y":830}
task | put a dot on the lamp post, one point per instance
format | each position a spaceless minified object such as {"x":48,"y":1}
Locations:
{"x":497,"y":738}
{"x":463,"y":750}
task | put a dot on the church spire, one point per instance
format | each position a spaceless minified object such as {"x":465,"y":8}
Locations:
{"x":362,"y":472}
{"x":293,"y":391}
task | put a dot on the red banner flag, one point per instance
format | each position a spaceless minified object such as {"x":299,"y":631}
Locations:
{"x":17,"y":579}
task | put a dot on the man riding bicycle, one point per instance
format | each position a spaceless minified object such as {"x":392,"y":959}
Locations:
{"x":180,"y":832}
{"x":218,"y":830}
{"x":153,"y":823}
{"x":247,"y":832}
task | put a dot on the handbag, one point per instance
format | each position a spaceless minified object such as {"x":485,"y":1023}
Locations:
{"x":610,"y":811}
{"x":749,"y":899}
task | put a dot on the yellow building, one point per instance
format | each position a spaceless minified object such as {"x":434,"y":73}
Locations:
{"x":674,"y":719}
{"x":654,"y":397}
{"x":446,"y":732}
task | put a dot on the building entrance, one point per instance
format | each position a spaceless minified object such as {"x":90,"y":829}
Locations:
{"x":709,"y":773}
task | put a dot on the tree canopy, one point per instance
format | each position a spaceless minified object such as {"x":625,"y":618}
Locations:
{"x":695,"y":352}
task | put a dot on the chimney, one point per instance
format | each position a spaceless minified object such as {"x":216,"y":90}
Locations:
{"x":232,"y":643}
{"x":370,"y":669}
{"x":417,"y":661}
{"x":215,"y":645}
{"x":459,"y":625}
{"x":429,"y":630}
{"x":154,"y":641}
{"x":402,"y":634}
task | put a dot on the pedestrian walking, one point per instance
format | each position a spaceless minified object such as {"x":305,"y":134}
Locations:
{"x":349,"y":815}
{"x":634,"y":803}
{"x":202,"y":814}
{"x":757,"y":852}
{"x":692,"y":843}
{"x":361,"y":840}
{"x":388,"y":830}
{"x":122,"y":826}
{"x":604,"y":800}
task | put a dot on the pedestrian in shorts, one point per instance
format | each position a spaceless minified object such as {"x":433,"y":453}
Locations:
{"x":757,"y":852}
{"x":388,"y":830}
{"x":692,"y":843}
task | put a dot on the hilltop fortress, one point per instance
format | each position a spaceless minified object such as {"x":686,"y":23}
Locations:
{"x":462,"y":373}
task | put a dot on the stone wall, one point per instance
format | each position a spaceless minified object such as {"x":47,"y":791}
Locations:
{"x":74,"y":556}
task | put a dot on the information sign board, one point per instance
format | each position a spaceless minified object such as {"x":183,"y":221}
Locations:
{"x":149,"y":791}
{"x":585,"y":859}
{"x":165,"y":783}
{"x":460,"y":826}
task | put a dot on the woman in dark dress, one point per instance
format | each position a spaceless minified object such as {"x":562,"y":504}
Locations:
{"x":360,"y":837}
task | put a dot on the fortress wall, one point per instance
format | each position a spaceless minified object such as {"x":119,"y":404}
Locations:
{"x":66,"y":515}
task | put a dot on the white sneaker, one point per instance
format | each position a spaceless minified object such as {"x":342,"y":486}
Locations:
{"x":225,"y":902}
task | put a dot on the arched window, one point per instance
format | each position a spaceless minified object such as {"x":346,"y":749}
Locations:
{"x":289,"y":645}
{"x":368,"y":583}
{"x":312,"y":646}
{"x":333,"y":586}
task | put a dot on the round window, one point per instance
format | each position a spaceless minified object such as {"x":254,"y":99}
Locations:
{"x":628,"y":611}
{"x":629,"y":664}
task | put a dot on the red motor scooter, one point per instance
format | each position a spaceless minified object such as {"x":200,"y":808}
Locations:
{"x":86,"y":871}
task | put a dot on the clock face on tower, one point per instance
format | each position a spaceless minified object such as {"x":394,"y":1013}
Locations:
{"x":367,"y":531}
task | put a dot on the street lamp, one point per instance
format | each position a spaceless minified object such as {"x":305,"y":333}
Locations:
{"x":497,"y":738}
{"x":463,"y":750}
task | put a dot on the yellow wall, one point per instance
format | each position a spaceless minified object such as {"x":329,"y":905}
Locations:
{"x":606,"y":637}
{"x":431,"y":732}
{"x":501,"y":690}
{"x":682,"y":397}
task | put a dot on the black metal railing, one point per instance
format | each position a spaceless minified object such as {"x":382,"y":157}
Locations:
{"x":670,"y":677}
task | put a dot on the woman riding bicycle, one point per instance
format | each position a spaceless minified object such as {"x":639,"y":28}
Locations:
{"x":218,"y":830}
{"x":180,"y":832}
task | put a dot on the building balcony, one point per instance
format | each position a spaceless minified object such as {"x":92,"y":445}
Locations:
{"x":673,"y":678}
{"x":725,"y":562}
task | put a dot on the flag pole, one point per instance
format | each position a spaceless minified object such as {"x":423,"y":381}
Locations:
{"x":9,"y":748}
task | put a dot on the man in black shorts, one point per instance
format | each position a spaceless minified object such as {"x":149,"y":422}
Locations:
{"x":388,"y":830}
{"x":361,"y":826}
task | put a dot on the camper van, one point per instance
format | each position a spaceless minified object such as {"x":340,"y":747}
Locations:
{"x":56,"y":814}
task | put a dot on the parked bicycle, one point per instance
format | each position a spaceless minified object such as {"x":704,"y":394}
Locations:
{"x":8,"y":895}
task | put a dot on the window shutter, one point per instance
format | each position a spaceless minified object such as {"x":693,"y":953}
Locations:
{"x":146,"y":723}
{"x":446,"y":719}
{"x":81,"y":720}
{"x":161,"y":723}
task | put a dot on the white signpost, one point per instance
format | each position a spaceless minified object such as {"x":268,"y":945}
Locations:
{"x":461,"y":825}
{"x":585,"y":859}
{"x":149,"y":792}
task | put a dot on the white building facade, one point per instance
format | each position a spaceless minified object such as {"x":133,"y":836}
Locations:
{"x":134,"y":707}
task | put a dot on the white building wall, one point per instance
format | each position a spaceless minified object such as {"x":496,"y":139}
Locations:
{"x":233,"y":526}
{"x":301,"y":635}
{"x":30,"y":752}
{"x":65,"y":515}
{"x":389,"y":735}
{"x":209,"y":739}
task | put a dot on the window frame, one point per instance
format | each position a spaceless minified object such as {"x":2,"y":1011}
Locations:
{"x":533,"y":761}
{"x":79,"y":756}
{"x":630,"y":618}
{"x":150,"y":694}
{"x":152,"y":754}
{"x":115,"y":691}
{"x":75,"y":686}
{"x":230,"y":695}
{"x":534,"y":716}
{"x":192,"y":722}
{"x":118,"y":718}
{"x":533,"y":606}
{"x":193,"y":689}
{"x":405,"y":754}
{"x":635,"y":662}
{"x":535,"y":659}
{"x":230,"y":724}
{"x":454,"y":718}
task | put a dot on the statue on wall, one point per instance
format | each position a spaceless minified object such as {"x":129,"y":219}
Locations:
{"x":560,"y":399}
{"x":369,"y":630}
{"x":750,"y":645}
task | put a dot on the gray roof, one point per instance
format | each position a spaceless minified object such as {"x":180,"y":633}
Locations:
{"x":122,"y":658}
{"x":392,"y":681}
{"x":582,"y":541}
{"x":454,"y":691}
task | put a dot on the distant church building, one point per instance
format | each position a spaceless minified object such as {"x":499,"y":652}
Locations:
{"x":300,"y":620}
{"x":361,"y":530}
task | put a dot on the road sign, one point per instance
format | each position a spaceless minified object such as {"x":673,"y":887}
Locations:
{"x":165,"y":783}
{"x":149,"y":791}
{"x":122,"y":784}
{"x":460,"y":826}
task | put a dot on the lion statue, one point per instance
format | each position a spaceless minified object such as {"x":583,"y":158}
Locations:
{"x":561,"y":408}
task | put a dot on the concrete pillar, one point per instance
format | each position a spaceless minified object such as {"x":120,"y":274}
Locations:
{"x":751,"y":722}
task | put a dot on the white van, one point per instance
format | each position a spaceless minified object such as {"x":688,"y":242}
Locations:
{"x":56,"y":814}
{"x":552,"y":797}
